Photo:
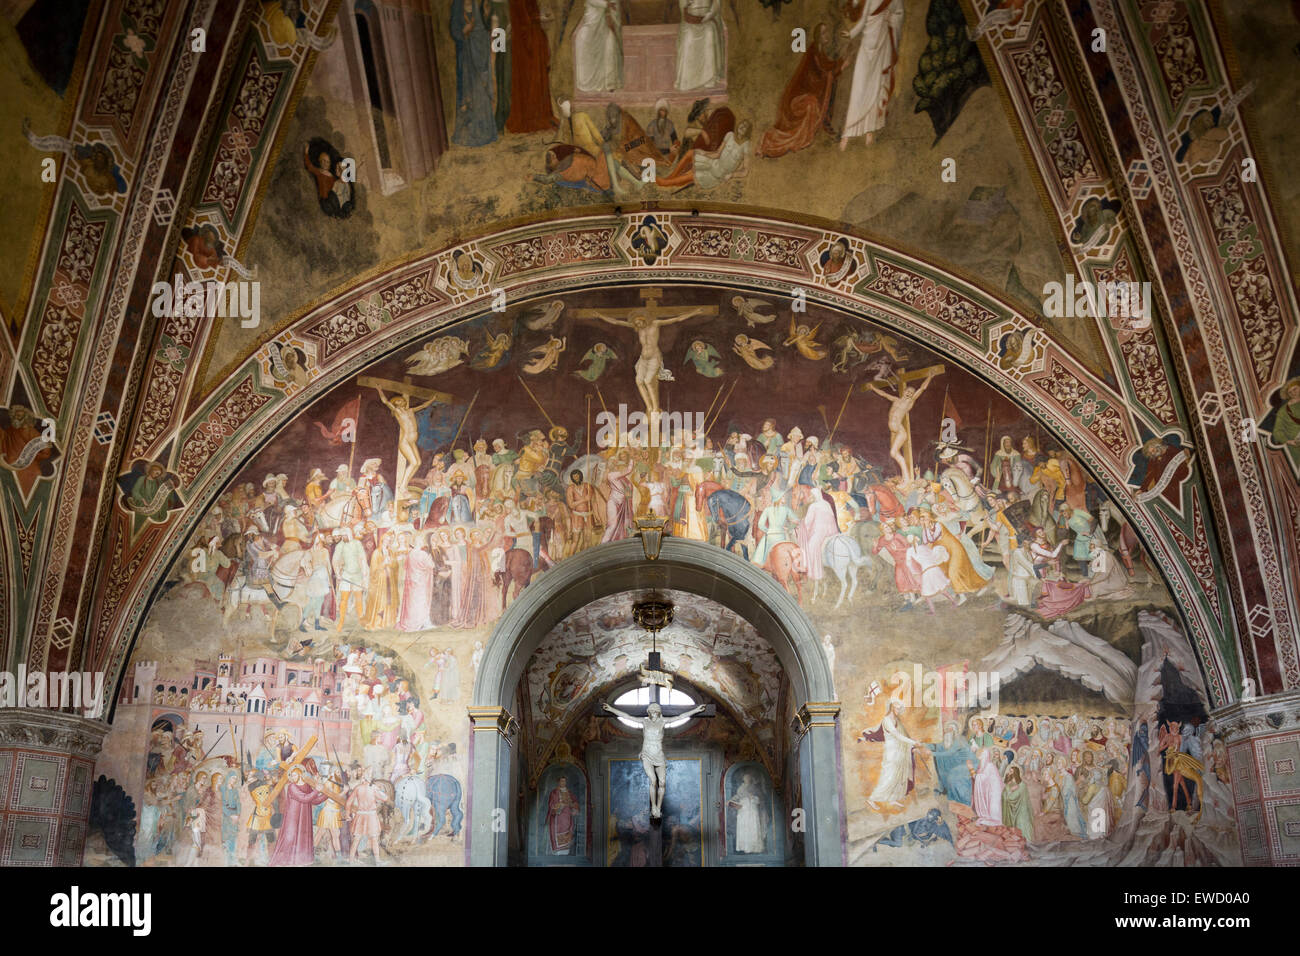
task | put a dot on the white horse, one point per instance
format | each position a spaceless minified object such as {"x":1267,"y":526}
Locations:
{"x":843,"y":556}
{"x":287,"y":573}
{"x":336,"y":512}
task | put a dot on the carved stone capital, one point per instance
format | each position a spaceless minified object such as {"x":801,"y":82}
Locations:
{"x":1263,"y":715}
{"x":52,"y":731}
{"x":496,"y":719}
{"x":815,"y":714}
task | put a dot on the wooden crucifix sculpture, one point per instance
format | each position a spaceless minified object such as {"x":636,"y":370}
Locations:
{"x":646,"y":320}
{"x":900,"y":409}
{"x":408,"y":429}
{"x":652,"y":718}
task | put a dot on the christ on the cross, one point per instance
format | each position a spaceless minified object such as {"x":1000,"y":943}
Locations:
{"x":652,"y":747}
{"x":651,"y":362}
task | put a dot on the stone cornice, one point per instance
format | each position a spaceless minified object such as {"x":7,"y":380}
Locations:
{"x":1264,"y":715}
{"x":51,"y":731}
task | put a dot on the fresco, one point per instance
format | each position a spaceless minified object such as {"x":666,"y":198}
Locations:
{"x":870,"y":102}
{"x":319,"y":637}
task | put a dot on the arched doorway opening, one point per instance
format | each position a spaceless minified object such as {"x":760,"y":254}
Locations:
{"x":688,"y":566}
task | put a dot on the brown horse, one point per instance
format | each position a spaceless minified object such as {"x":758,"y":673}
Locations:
{"x":517,"y":569}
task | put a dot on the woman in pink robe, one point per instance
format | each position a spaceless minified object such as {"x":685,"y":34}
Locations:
{"x":1061,"y":597}
{"x":618,"y":506}
{"x":418,"y":590}
{"x":817,"y":526}
{"x":293,"y":844}
{"x":987,"y":800}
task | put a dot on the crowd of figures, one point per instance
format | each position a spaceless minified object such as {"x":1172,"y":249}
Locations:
{"x":1025,"y":781}
{"x":279,"y":802}
{"x":1029,"y":529}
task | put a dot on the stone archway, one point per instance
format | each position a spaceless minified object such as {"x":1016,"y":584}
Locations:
{"x":682,"y":565}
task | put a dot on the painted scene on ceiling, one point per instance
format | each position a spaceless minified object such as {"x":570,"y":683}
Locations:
{"x":299,"y":689}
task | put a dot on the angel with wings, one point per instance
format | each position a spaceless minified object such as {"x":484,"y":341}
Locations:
{"x":748,"y":310}
{"x":599,"y":355}
{"x":493,"y":352}
{"x":748,"y":349}
{"x":705,"y":358}
{"x":438,"y":356}
{"x":541,"y":318}
{"x":805,"y":340}
{"x":546,"y":356}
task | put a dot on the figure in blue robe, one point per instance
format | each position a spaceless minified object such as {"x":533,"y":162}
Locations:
{"x":925,"y":831}
{"x":950,"y":763}
{"x":475,"y":123}
{"x":459,"y":512}
{"x":1141,"y":747}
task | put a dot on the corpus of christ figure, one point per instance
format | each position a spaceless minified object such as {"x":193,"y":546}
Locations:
{"x":646,"y":321}
{"x":652,"y":748}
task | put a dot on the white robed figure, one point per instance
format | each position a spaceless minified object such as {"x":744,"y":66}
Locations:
{"x":700,"y":48}
{"x":751,"y":835}
{"x":898,"y":768}
{"x":598,"y":46}
{"x":878,"y":33}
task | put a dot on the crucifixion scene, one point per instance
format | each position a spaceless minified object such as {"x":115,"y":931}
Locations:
{"x":649,"y":433}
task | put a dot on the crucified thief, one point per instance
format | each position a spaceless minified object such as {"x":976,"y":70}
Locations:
{"x":408,"y":430}
{"x":900,"y":406}
{"x":652,"y":748}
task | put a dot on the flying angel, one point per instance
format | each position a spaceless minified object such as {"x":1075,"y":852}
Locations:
{"x":705,"y":358}
{"x":493,"y":351}
{"x":748,"y":310}
{"x":805,"y":339}
{"x":599,"y":355}
{"x":438,"y":356}
{"x":748,"y":348}
{"x":541,"y":318}
{"x":547,"y":356}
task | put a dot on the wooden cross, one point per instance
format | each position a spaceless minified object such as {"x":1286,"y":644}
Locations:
{"x":404,"y":387}
{"x":651,"y":309}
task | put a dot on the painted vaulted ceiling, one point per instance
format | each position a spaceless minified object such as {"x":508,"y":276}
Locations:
{"x":1110,"y":140}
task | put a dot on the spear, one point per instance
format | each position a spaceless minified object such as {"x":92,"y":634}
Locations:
{"x":708,"y":428}
{"x":843,"y":405}
{"x":464,"y":419}
{"x":535,"y":401}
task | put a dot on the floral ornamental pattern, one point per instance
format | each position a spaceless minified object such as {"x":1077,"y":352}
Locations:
{"x":1182,"y":67}
{"x":162,"y":394}
{"x":229,"y":415}
{"x":939,"y":302}
{"x":128,"y":62}
{"x":1089,"y":408}
{"x":65,"y":309}
{"x":1197,"y":551}
{"x":1054,"y":115}
{"x":1078,"y":399}
{"x":1246,"y":268}
{"x":1138,"y":345}
{"x":244,"y":127}
{"x":781,"y":250}
{"x":540,"y":252}
{"x":709,"y":242}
